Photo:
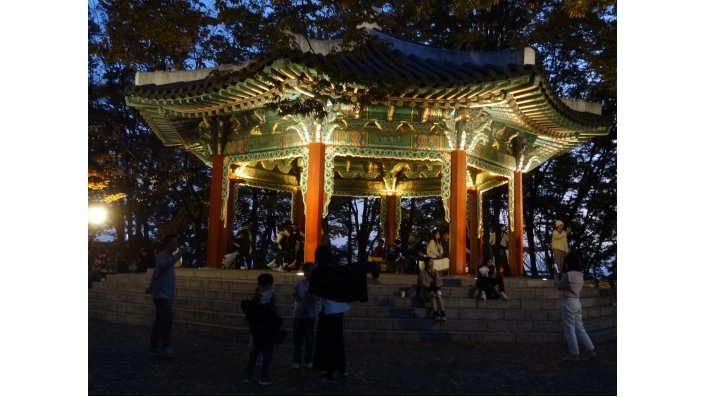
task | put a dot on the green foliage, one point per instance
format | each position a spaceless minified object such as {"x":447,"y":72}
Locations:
{"x":168,"y":190}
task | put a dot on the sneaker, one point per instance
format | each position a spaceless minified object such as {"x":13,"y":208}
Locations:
{"x":503,"y":296}
{"x":483,"y":296}
{"x":271,"y":264}
{"x":309,"y":365}
{"x":591,"y":355}
{"x":571,"y":357}
{"x":295,"y":365}
{"x":264,"y":382}
{"x":247,"y":380}
{"x":166,"y":352}
{"x":243,"y":267}
{"x":443,"y":316}
{"x":436,"y":315}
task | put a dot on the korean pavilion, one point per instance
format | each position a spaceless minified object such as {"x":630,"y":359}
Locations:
{"x":451,"y":124}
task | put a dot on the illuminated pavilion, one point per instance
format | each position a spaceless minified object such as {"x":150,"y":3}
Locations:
{"x":451,"y":124}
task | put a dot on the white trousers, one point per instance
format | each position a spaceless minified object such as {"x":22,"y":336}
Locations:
{"x":573,"y":326}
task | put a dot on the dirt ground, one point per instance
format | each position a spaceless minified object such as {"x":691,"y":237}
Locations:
{"x":118,"y":364}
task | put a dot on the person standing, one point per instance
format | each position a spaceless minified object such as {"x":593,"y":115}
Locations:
{"x":305,"y":306}
{"x":163,"y":286}
{"x":445,"y":243}
{"x":570,"y":284}
{"x":329,"y":349}
{"x":499,"y":240}
{"x":559,"y":244}
{"x":434,"y":249}
{"x":244,"y":247}
{"x":264,"y":323}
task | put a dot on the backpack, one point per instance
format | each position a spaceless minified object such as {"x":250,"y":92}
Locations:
{"x":265,"y":325}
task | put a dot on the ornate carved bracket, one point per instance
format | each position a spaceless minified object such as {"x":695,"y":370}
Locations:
{"x":333,"y":151}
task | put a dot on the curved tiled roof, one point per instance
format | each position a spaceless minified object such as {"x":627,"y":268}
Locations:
{"x":412,"y":67}
{"x":507,"y":85}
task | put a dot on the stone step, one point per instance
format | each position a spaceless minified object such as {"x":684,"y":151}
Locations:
{"x":291,"y":278}
{"x":372,"y":318}
{"x":135,"y":284}
{"x":432,"y":331}
{"x":495,"y":310}
{"x":208,"y":302}
{"x":226,"y":301}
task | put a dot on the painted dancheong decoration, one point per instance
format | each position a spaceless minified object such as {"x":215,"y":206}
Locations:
{"x":495,"y":107}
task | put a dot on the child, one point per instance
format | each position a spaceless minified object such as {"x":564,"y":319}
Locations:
{"x":305,"y":306}
{"x":264,"y":324}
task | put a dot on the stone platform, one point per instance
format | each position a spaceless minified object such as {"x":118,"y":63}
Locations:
{"x":208,"y":303}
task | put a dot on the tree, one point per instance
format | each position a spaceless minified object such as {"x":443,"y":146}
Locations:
{"x":152,"y":186}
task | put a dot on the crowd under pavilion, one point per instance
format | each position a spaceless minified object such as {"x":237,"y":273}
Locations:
{"x":460,"y":124}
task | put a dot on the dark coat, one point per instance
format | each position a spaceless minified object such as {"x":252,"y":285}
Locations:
{"x":342,"y":283}
{"x":263,"y":320}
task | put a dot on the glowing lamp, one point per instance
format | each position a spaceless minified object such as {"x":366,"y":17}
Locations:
{"x":97,"y":215}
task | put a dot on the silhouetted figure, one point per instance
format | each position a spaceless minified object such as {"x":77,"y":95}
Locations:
{"x":499,"y":241}
{"x":487,"y":277}
{"x":163,"y":288}
{"x":305,"y":307}
{"x":146,"y":260}
{"x":265,"y":324}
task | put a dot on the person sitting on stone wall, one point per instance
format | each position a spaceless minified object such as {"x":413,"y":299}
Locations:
{"x":429,"y":283}
{"x":487,"y":277}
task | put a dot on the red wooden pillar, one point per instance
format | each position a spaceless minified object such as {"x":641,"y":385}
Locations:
{"x":475,"y":238}
{"x":314,"y":199}
{"x":300,"y":218}
{"x":516,"y":236}
{"x":216,"y":248}
{"x":458,"y":191}
{"x":390,"y":222}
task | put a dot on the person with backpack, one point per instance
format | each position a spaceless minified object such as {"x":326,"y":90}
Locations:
{"x":265,"y":328}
